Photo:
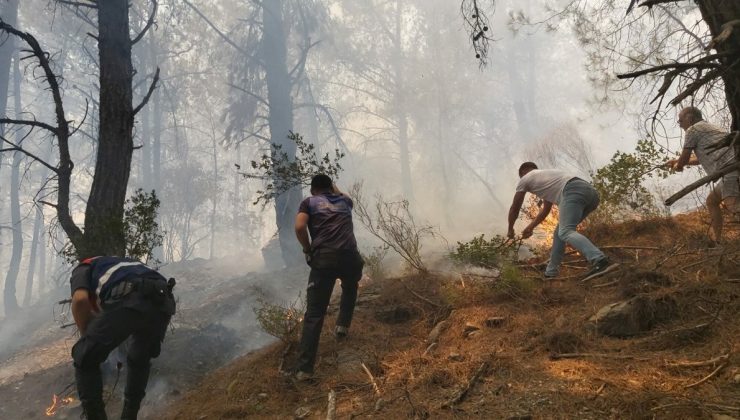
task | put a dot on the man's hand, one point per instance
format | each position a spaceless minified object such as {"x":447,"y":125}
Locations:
{"x":670,"y":164}
{"x":527,"y":232}
{"x":83,"y":308}
{"x":511,"y":233}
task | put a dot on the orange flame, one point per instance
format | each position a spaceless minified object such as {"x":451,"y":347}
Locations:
{"x":57,"y":403}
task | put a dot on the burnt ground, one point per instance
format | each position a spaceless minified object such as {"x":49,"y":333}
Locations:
{"x":519,"y":347}
{"x":214,"y":324}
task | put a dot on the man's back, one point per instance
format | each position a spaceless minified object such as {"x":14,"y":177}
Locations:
{"x":330,"y":221}
{"x":700,"y":137}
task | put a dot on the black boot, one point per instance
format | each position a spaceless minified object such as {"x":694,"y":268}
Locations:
{"x":130,"y":409}
{"x":94,"y":410}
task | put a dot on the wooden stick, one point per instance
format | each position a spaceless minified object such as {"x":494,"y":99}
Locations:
{"x":463,"y":392}
{"x":713,"y":361}
{"x":436,"y":305}
{"x":372,"y":378}
{"x":558,"y":356}
{"x":331,"y":409}
{"x":708,"y":377}
{"x":430,"y":348}
{"x":596,"y":286}
{"x":709,"y":178}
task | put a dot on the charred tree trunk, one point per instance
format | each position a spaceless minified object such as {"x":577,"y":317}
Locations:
{"x":717,"y":14}
{"x":280,"y":121}
{"x":104,"y":213}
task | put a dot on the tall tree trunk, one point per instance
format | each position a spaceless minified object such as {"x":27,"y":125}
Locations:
{"x":9,"y":297}
{"x":717,"y":13}
{"x":9,"y":14}
{"x":38,"y":224}
{"x":280,"y":121}
{"x":104,"y":213}
{"x":214,"y":195}
{"x":400,"y":102}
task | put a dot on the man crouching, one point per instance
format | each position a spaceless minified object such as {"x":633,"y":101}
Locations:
{"x":115,"y":298}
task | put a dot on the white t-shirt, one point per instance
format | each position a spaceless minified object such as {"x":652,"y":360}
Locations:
{"x":546,"y":184}
{"x":702,"y":135}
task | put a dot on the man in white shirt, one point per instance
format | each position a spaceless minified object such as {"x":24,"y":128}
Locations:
{"x":700,"y":135}
{"x":575,"y":199}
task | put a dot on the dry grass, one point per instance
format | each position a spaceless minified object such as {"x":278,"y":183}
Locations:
{"x":520,"y":378}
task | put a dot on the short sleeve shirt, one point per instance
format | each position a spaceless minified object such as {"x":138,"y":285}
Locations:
{"x":702,"y":135}
{"x":329,"y":221}
{"x":546,"y":184}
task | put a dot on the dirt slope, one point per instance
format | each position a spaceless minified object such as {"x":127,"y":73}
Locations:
{"x":541,"y":360}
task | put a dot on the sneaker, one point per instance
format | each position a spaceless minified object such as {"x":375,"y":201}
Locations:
{"x":550,"y":276}
{"x":599,"y":268}
{"x":340,"y":332}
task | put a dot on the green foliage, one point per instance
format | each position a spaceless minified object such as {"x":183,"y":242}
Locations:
{"x":279,"y":321}
{"x":512,"y":283}
{"x":140,"y":225}
{"x":283,"y":173}
{"x":485,"y":253}
{"x":620,"y":183}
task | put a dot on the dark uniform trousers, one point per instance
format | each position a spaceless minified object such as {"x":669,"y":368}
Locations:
{"x":326,"y":267}
{"x":139,"y":315}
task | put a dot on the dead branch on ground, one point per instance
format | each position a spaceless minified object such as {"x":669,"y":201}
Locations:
{"x":464,"y":392}
{"x":371,"y":377}
{"x":559,"y":356}
{"x":708,"y":377}
{"x":711,"y":362}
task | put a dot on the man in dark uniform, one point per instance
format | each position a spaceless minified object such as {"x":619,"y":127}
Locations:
{"x":331,"y":251}
{"x":115,"y":298}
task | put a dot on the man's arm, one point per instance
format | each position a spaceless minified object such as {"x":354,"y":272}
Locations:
{"x":301,"y":231}
{"x":686,"y":159}
{"x":544,"y":211}
{"x":516,"y":206}
{"x":82,"y":309}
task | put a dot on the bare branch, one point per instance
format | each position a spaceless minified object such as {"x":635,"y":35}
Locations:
{"x":696,"y":85}
{"x":727,"y":30}
{"x":31,"y":123}
{"x":218,"y":31}
{"x":78,"y":4}
{"x":149,"y":93}
{"x":148,"y":25}
{"x":707,"y":179}
{"x":651,"y":3}
{"x":16,"y":148}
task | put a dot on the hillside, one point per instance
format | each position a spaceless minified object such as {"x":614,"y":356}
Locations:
{"x":523,"y":351}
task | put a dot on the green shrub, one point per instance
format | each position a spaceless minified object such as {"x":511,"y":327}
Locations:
{"x":485,"y":253}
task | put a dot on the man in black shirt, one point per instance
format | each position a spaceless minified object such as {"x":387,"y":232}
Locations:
{"x":331,"y":251}
{"x":112,"y":299}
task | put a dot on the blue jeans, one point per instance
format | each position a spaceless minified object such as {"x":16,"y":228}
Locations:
{"x":578,"y":201}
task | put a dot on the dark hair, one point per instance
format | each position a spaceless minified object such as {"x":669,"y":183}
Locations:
{"x":527,"y":166}
{"x":321,"y":182}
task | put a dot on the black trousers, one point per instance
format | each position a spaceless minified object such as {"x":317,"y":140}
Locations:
{"x":136,"y":316}
{"x":326,"y":268}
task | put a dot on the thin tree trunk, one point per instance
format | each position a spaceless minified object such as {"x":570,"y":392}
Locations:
{"x":9,"y":297}
{"x":400,"y":99}
{"x":38,"y":223}
{"x":214,"y":195}
{"x":9,"y":14}
{"x":280,"y":121}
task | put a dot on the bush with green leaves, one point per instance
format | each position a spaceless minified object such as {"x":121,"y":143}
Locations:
{"x":621,"y":182}
{"x":487,"y":253}
{"x":140,"y":225}
{"x":281,"y":321}
{"x":281,"y":172}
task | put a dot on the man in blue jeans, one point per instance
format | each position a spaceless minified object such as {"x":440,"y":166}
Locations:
{"x":324,"y":229}
{"x":575,"y":199}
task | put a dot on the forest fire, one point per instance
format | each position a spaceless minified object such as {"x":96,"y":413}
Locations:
{"x":57,"y":403}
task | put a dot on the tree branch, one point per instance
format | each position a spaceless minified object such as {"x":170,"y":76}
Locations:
{"x":31,"y":123}
{"x":723,"y":36}
{"x":149,"y":92}
{"x":16,"y":148}
{"x":148,"y":25}
{"x":651,"y":3}
{"x":218,"y":31}
{"x":709,"y":178}
{"x":78,"y":4}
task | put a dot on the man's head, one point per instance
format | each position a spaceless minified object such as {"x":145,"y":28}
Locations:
{"x":526,"y":167}
{"x":321,"y":184}
{"x":688,"y":117}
